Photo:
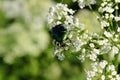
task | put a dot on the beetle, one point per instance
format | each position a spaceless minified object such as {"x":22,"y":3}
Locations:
{"x":59,"y":34}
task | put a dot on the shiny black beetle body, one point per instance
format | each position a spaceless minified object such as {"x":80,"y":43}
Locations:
{"x":59,"y":34}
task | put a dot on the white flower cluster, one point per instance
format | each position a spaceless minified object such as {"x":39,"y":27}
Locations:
{"x":83,"y":3}
{"x":60,"y":14}
{"x":89,"y":46}
{"x":12,"y":8}
{"x":102,"y":71}
{"x":26,"y":9}
{"x":107,"y":9}
{"x":26,"y":31}
{"x":98,"y":45}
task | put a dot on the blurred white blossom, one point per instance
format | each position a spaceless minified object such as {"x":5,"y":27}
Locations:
{"x":26,"y":35}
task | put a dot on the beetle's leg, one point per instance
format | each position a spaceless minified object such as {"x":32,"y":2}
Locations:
{"x":71,"y":42}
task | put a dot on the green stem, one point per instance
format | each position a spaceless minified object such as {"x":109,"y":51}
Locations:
{"x":115,"y":61}
{"x":90,"y":7}
{"x":111,"y":22}
{"x":116,"y":14}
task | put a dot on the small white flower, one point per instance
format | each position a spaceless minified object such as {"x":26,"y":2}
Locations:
{"x":110,"y":76}
{"x":103,"y":77}
{"x":101,"y":9}
{"x":116,"y":7}
{"x":95,"y":67}
{"x":115,"y":39}
{"x":61,"y":56}
{"x":118,"y":77}
{"x":115,"y":50}
{"x":118,"y":30}
{"x":78,"y":43}
{"x":117,"y":18}
{"x":57,"y":51}
{"x":111,"y":16}
{"x":110,"y":68}
{"x":90,"y":74}
{"x":104,"y":24}
{"x":85,"y":36}
{"x":114,"y":73}
{"x":83,"y":3}
{"x":83,"y":50}
{"x":96,"y":51}
{"x":103,"y":64}
{"x":103,"y":42}
{"x":92,"y":56}
{"x":107,"y":34}
{"x":104,"y":4}
{"x":110,"y":4}
{"x":106,"y":15}
{"x":74,"y":0}
{"x":81,"y":57}
{"x":117,"y":1}
{"x":91,"y":45}
{"x":105,"y":49}
{"x":109,"y":9}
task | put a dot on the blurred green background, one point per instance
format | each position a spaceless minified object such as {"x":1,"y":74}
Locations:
{"x":26,"y":47}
